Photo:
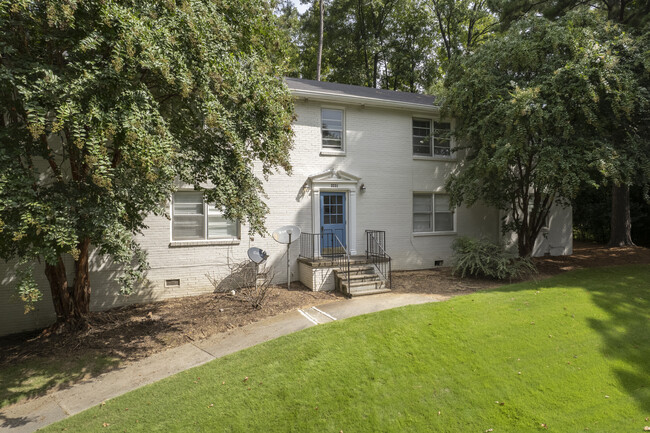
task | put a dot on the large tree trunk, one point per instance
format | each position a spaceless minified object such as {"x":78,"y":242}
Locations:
{"x":63,"y":306}
{"x":620,"y":223}
{"x":70,"y":303}
{"x":320,"y":41}
{"x":82,"y":282}
{"x":525,"y":244}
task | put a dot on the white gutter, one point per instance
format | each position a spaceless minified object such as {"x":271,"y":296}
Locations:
{"x":361,"y":100}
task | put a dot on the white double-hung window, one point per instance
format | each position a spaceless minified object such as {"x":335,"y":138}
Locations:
{"x":431,"y":213}
{"x":422,"y":137}
{"x":332,"y":129}
{"x":193,"y":219}
{"x":431,"y":138}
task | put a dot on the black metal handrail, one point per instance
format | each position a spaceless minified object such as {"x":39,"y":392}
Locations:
{"x":326,"y":245}
{"x":342,"y":260}
{"x":377,"y":255}
{"x":310,"y":245}
{"x":321,"y":245}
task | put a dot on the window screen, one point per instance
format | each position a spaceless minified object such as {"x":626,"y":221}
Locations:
{"x":421,"y":137}
{"x":422,"y":212}
{"x":220,"y":227}
{"x":193,"y":219}
{"x":442,"y":139}
{"x":332,"y":128}
{"x":188,"y":219}
{"x":431,"y":213}
{"x":444,"y":217}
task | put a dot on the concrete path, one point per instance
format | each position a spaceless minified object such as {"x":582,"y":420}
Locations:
{"x":30,"y":415}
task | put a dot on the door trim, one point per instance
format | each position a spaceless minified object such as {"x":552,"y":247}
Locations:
{"x":343,"y":226}
{"x":336,"y":181}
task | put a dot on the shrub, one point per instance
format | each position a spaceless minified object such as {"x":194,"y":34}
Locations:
{"x":246,"y":282}
{"x":482,"y":258}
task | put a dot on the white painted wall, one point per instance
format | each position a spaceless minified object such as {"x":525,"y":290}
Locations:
{"x":378,"y":150}
{"x":554,"y":240}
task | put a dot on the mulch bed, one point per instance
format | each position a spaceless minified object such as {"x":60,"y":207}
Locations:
{"x":440,"y":281}
{"x":136,"y":331}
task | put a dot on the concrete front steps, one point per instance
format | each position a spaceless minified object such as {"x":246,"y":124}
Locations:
{"x":329,"y":273}
{"x":363,"y":280}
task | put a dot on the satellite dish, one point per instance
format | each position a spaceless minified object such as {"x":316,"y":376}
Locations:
{"x":286,"y":234}
{"x":257,"y":255}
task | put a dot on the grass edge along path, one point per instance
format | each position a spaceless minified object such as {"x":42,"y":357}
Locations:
{"x":570,"y":353}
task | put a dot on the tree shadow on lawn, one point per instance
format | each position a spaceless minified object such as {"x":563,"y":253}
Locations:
{"x":622,"y":293}
{"x":626,"y":330}
{"x":33,"y":364}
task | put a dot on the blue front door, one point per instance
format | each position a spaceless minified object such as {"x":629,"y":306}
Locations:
{"x":332,"y":220}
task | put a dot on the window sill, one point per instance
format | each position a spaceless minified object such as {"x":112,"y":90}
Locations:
{"x":332,"y":152}
{"x":423,"y":234}
{"x":435,"y":158}
{"x":204,"y":243}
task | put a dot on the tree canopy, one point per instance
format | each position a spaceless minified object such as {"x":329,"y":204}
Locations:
{"x":537,"y":106}
{"x":629,"y":137}
{"x":385,"y":43}
{"x":103,"y":104}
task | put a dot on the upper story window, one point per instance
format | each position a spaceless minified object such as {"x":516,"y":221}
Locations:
{"x":431,"y":213}
{"x":441,"y":139}
{"x":332,"y":128}
{"x":422,"y":137}
{"x":194,"y":219}
{"x":431,"y":138}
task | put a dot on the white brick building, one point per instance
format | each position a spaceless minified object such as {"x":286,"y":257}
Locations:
{"x":363,"y":159}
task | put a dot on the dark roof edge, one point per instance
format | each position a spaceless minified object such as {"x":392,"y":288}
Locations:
{"x":358,"y":95}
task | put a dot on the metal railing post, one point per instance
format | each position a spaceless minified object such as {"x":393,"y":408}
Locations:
{"x":376,"y":253}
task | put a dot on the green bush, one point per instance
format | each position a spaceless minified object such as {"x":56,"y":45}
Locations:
{"x":482,"y":258}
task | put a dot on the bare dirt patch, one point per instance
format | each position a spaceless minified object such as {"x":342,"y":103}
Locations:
{"x":440,"y":281}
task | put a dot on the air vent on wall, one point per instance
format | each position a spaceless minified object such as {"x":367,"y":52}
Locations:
{"x":173,"y":283}
{"x":438,"y":263}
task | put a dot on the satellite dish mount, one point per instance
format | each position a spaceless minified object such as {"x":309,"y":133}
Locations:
{"x":257,"y":256}
{"x":287,"y":235}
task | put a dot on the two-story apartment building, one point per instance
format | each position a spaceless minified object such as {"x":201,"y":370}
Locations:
{"x":363,"y":159}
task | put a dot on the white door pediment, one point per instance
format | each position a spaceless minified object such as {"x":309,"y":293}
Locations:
{"x":336,"y":180}
{"x":334,"y":176}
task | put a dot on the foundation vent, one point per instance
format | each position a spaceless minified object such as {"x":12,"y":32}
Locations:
{"x":173,"y":283}
{"x":438,"y":263}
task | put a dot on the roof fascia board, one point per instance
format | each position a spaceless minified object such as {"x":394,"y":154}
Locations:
{"x":362,"y":100}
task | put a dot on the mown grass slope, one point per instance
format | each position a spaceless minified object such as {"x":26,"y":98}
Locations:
{"x":566,"y":354}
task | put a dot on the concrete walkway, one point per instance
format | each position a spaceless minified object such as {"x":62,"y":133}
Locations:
{"x":33,"y":414}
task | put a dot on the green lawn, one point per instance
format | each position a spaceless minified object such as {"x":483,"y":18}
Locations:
{"x":571,"y":353}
